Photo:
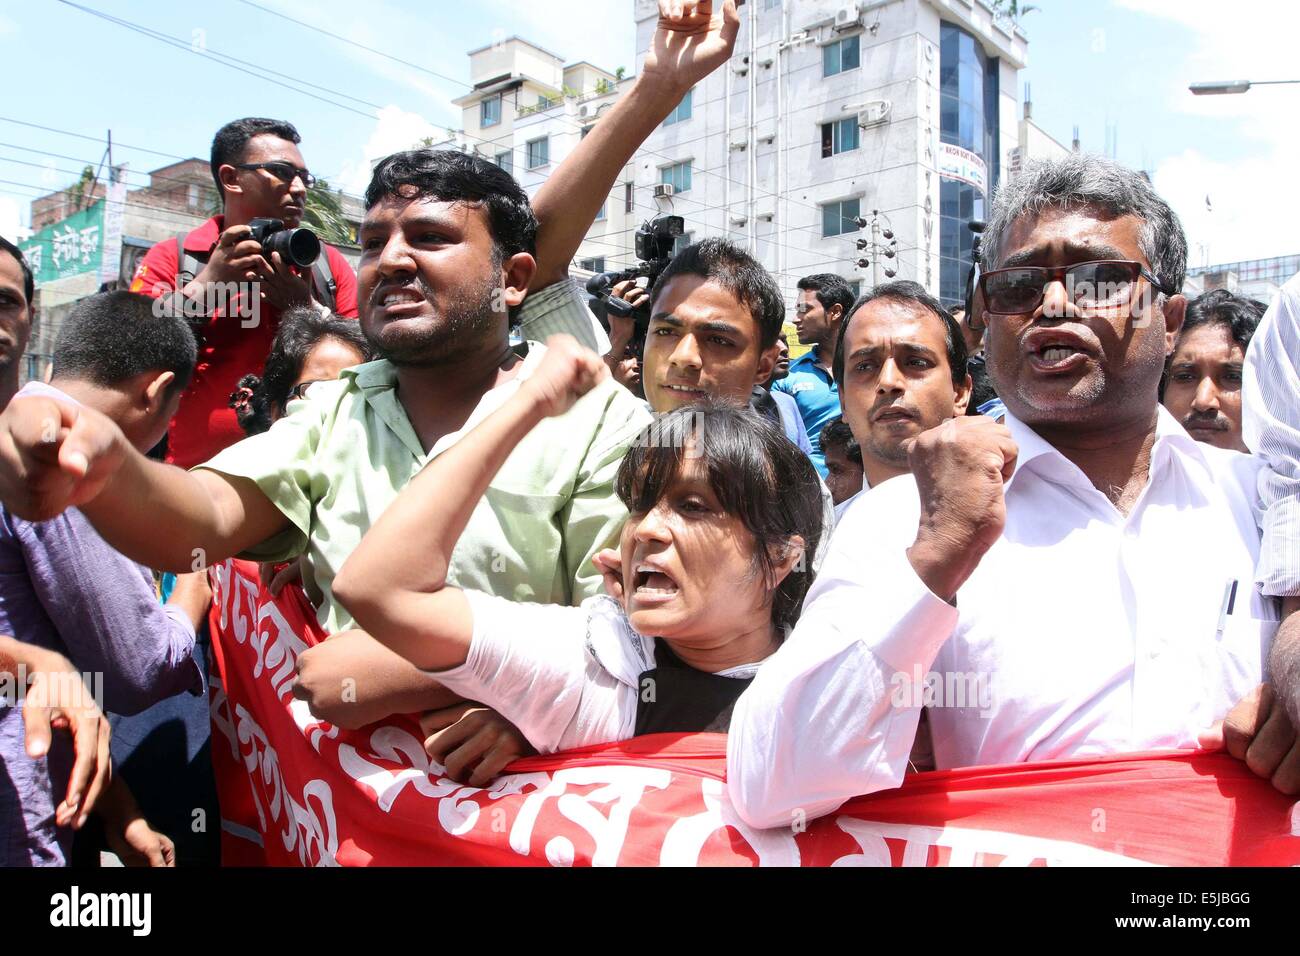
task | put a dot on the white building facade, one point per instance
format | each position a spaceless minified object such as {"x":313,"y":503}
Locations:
{"x":902,"y":113}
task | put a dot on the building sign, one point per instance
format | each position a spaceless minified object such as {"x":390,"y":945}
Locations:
{"x":963,"y":166}
{"x":71,"y":247}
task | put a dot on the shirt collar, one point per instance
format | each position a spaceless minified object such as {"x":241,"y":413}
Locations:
{"x":202,"y":239}
{"x":377,"y":382}
{"x":1171,"y":438}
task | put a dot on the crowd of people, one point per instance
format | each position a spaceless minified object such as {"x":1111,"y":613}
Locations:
{"x":1079,"y":486}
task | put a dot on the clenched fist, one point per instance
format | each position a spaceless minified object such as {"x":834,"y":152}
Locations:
{"x":55,"y":456}
{"x":567,"y":372}
{"x":960,"y":468}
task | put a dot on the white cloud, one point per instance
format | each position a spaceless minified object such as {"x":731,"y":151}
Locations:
{"x":396,"y":130}
{"x":11,"y":223}
{"x":601,"y":33}
{"x":1255,"y":204}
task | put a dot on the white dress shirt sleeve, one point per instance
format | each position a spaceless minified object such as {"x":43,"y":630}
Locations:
{"x":1271,"y":428}
{"x":830,"y":715}
{"x":529,"y":663}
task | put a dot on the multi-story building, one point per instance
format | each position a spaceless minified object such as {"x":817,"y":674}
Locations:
{"x":900,"y":114}
{"x":1257,"y":278}
{"x":526,"y":111}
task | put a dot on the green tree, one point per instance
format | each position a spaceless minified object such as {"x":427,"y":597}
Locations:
{"x":620,"y":73}
{"x":81,"y":194}
{"x":324,"y":214}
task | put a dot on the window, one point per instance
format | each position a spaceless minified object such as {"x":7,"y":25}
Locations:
{"x":506,"y":161}
{"x":192,"y":195}
{"x":600,"y":216}
{"x":627,"y":198}
{"x":771,"y":4}
{"x":678,"y":175}
{"x":838,"y":217}
{"x":596,"y":264}
{"x":681,"y":242}
{"x":539,"y":152}
{"x":856,"y":286}
{"x":489,"y":111}
{"x":683,"y":110}
{"x":543,"y":102}
{"x":840,"y":136}
{"x":840,"y":56}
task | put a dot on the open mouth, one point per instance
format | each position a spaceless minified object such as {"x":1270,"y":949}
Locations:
{"x":402,"y":298}
{"x":651,"y":583}
{"x":688,"y":391}
{"x":893,"y":414}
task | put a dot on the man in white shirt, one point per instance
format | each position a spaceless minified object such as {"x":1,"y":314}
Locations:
{"x":1074,"y":582}
{"x":1271,"y":428}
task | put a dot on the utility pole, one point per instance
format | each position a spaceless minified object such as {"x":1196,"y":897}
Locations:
{"x":875,"y":249}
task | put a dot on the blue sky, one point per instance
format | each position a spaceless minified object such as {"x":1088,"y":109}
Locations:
{"x":1122,"y":65}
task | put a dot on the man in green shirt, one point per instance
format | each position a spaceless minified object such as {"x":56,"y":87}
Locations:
{"x":448,"y":251}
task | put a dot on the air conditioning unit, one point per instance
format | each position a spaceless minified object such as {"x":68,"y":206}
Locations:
{"x":663,"y":191}
{"x":875,"y":113}
{"x":738,"y":145}
{"x":583,"y":110}
{"x":848,"y":17}
{"x":738,"y":219}
{"x":740,"y":66}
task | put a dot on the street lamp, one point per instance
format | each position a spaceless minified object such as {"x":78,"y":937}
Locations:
{"x":1232,"y":86}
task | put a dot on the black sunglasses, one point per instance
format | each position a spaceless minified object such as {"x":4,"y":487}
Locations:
{"x":285,"y":172}
{"x":1092,"y":286}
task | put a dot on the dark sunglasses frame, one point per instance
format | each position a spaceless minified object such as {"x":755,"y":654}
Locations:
{"x":1058,"y":274}
{"x":307,"y":178}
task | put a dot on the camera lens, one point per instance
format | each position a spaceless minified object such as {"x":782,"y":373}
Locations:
{"x":297,"y":246}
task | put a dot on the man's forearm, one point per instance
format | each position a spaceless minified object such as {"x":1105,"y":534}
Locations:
{"x":1284,"y":659}
{"x":571,"y":197}
{"x":169,"y":519}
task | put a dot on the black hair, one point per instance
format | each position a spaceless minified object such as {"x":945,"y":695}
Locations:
{"x":258,"y":400}
{"x":757,"y":474}
{"x":29,"y":281}
{"x":907,"y":291}
{"x":111,"y":337}
{"x":231,"y":140}
{"x":830,"y":290}
{"x":451,"y":176}
{"x":740,"y":274}
{"x":981,"y":388}
{"x":837,"y":434}
{"x":1239,"y":314}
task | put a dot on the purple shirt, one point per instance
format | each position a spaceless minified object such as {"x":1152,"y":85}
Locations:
{"x":62,"y":587}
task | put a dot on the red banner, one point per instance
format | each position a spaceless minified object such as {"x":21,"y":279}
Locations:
{"x":314,"y":794}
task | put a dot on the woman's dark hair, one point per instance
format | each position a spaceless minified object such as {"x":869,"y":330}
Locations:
{"x":259,"y":400}
{"x":451,"y":176}
{"x":755,"y":472}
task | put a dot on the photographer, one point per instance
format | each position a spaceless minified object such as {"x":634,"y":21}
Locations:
{"x":261,"y":175}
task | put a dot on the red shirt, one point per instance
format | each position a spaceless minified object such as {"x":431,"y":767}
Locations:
{"x":205,"y":423}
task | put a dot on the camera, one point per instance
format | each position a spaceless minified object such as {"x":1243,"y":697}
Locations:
{"x":655,"y":240}
{"x":299,"y":247}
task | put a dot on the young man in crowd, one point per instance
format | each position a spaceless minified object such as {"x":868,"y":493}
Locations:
{"x":1144,"y":647}
{"x":448,"y":249}
{"x":824,"y":301}
{"x":17,"y":288}
{"x":64,"y":589}
{"x":260,"y":174}
{"x":1202,"y":384}
{"x":843,"y":457}
{"x":900,"y":362}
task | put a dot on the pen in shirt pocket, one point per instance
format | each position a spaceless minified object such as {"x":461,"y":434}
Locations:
{"x":1229,"y":602}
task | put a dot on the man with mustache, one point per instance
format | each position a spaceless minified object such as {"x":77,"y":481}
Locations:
{"x":1202,"y":385}
{"x":1089,"y":487}
{"x":450,"y":246}
{"x":260,"y":173}
{"x":900,"y":362}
